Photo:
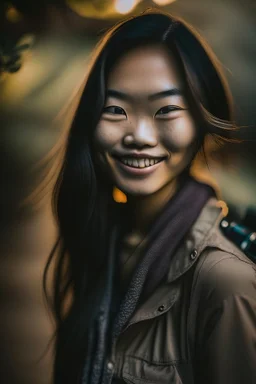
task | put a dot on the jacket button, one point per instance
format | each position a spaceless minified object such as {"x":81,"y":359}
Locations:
{"x":161,"y":308}
{"x":110,"y":366}
{"x":193,"y":254}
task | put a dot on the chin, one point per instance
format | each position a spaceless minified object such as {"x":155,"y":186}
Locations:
{"x":139,"y":191}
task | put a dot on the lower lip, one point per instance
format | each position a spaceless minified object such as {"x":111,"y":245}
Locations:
{"x":138,"y":171}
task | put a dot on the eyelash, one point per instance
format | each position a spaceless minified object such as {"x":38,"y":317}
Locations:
{"x":170,"y":108}
{"x":107,"y":110}
{"x":121,"y":111}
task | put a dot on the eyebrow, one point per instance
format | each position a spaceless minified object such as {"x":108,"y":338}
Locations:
{"x":155,"y":96}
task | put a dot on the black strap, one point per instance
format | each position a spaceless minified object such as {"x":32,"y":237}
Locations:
{"x":240,"y":235}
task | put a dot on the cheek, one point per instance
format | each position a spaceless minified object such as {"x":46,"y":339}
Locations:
{"x":180,"y":134}
{"x":106,"y":136}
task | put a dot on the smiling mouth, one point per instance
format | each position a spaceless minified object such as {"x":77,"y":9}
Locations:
{"x":138,"y":162}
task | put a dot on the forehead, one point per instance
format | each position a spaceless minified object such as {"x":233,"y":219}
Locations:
{"x":145,"y":69}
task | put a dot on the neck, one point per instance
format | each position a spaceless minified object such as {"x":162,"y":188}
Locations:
{"x":146,"y":208}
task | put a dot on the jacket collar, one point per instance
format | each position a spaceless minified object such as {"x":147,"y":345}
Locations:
{"x":201,"y":235}
{"x":196,"y":240}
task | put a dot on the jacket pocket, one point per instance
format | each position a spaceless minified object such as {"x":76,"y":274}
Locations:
{"x":138,"y":371}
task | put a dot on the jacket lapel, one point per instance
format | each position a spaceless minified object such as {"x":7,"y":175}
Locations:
{"x":164,"y":297}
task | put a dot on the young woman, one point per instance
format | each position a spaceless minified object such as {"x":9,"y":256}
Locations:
{"x":149,"y":291}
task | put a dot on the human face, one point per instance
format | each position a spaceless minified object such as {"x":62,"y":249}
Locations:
{"x":146,"y":135}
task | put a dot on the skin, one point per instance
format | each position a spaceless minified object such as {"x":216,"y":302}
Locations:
{"x":160,"y":126}
{"x":134,"y":121}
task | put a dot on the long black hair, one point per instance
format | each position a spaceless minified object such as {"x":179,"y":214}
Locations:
{"x":83,"y":200}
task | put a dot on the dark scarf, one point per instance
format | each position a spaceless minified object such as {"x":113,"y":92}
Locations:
{"x":165,"y":236}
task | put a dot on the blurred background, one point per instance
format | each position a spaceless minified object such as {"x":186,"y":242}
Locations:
{"x":44,"y":50}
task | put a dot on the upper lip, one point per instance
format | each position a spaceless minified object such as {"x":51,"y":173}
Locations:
{"x":138,"y":155}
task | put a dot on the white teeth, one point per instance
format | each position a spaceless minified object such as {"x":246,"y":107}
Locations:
{"x":139,"y":163}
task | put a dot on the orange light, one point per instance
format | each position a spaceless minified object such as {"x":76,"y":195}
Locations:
{"x":125,"y":6}
{"x":119,"y":196}
{"x":221,"y":204}
{"x":163,"y":2}
{"x":13,"y":15}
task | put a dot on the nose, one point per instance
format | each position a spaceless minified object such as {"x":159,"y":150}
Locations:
{"x":142,"y":134}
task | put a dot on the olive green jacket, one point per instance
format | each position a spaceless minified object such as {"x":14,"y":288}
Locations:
{"x":199,"y":326}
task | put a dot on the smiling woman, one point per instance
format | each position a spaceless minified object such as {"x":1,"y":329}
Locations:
{"x":155,"y":291}
{"x":146,"y":128}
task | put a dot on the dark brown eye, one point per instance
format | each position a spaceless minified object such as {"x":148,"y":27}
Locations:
{"x":167,"y":109}
{"x":114,"y":110}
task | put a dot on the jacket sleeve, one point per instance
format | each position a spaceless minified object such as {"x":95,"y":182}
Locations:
{"x":225,"y":350}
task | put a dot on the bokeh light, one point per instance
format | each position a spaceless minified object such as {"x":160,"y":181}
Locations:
{"x":13,"y":15}
{"x":163,"y":2}
{"x":125,"y":6}
{"x":119,"y":196}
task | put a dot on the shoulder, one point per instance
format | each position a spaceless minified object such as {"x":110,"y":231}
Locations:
{"x":224,"y":292}
{"x":222,"y":266}
{"x":226,"y":273}
{"x":223,"y":269}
